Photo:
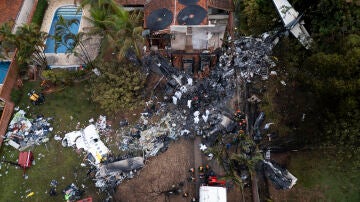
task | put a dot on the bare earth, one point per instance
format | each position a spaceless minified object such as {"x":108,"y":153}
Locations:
{"x":167,"y":169}
{"x":159,"y":174}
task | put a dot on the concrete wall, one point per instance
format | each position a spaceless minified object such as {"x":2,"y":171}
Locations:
{"x":5,"y":92}
{"x":25,"y":13}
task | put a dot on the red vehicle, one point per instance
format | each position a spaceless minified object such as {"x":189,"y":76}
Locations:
{"x":213,"y":181}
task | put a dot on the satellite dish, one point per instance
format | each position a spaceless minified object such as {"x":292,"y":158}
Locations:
{"x":159,"y":19}
{"x":191,"y":15}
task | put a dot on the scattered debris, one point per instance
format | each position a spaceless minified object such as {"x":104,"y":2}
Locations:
{"x":36,"y":98}
{"x":254,"y":99}
{"x":72,"y":192}
{"x":23,"y":132}
{"x":109,"y":175}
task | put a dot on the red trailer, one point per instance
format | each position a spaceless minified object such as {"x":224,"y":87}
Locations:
{"x":25,"y":159}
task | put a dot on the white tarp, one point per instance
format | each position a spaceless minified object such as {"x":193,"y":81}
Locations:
{"x":212,"y":194}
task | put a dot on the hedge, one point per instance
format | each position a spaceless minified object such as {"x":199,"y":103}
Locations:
{"x":40,"y":12}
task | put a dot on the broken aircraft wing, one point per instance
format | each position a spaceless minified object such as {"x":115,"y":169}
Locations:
{"x":291,"y":19}
{"x":302,"y":35}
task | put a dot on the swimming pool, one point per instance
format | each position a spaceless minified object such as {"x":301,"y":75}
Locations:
{"x":4,"y":66}
{"x":68,"y":13}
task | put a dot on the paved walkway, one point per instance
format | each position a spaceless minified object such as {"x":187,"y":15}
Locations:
{"x":92,"y":44}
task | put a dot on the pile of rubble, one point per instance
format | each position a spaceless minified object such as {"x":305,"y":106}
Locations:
{"x":110,"y":172}
{"x":199,"y":107}
{"x":23,"y":132}
{"x":251,"y":57}
{"x":188,"y":108}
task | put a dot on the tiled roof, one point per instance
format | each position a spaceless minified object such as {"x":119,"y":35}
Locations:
{"x":9,"y":9}
{"x":221,"y":4}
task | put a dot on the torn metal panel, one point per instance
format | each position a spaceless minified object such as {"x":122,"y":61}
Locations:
{"x":280,"y":177}
{"x":121,"y":166}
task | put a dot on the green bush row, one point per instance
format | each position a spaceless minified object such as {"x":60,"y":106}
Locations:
{"x":63,"y":76}
{"x":39,"y":12}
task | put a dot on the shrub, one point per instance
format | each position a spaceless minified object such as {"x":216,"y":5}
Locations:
{"x":39,"y":12}
{"x":62,"y":76}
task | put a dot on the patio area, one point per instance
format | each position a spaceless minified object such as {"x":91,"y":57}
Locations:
{"x":91,"y":43}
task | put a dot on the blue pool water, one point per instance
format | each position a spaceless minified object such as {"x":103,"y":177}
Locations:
{"x":4,"y":66}
{"x":68,"y":13}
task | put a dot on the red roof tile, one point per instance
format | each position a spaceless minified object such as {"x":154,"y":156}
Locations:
{"x":9,"y":9}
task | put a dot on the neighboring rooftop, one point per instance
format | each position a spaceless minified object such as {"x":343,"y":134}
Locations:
{"x":9,"y":9}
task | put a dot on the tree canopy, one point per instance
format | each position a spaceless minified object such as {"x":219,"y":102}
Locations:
{"x":118,"y":87}
{"x":329,"y":72}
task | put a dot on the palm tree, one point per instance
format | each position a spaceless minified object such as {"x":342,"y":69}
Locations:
{"x":220,"y":155}
{"x":97,"y":3}
{"x":7,"y":39}
{"x":121,"y":29}
{"x":127,"y":33}
{"x":28,"y":40}
{"x":31,"y":45}
{"x":73,"y":42}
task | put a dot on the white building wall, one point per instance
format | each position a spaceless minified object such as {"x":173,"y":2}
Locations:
{"x":24,"y":14}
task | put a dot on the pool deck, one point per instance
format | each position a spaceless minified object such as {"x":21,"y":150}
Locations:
{"x":92,"y":44}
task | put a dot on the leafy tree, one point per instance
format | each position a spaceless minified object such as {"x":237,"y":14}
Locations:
{"x":256,"y":16}
{"x":335,"y":81}
{"x":28,"y":40}
{"x":118,"y":87}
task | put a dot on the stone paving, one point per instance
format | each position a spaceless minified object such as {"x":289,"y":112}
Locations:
{"x":92,"y":44}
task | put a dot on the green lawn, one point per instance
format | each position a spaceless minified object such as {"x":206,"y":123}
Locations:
{"x":68,"y":107}
{"x":320,"y":170}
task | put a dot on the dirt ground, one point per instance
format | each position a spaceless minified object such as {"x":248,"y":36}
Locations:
{"x":167,"y":169}
{"x":159,"y":174}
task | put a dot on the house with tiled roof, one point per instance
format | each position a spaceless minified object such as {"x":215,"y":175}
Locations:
{"x":185,"y":30}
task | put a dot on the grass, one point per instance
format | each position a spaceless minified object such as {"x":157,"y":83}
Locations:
{"x":320,"y":170}
{"x":68,"y":107}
